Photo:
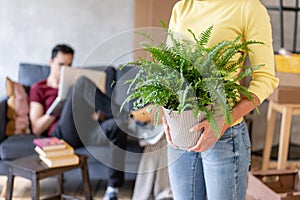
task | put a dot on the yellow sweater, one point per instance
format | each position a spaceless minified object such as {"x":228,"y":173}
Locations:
{"x":231,"y":18}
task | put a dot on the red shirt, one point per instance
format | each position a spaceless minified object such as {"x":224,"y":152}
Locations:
{"x":42,"y":93}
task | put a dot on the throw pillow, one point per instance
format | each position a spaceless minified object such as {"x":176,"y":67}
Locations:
{"x":17,"y":109}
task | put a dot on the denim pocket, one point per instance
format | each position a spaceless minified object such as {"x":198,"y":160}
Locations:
{"x":227,"y":137}
{"x":224,"y":145}
{"x":204,"y":154}
{"x":246,"y":139}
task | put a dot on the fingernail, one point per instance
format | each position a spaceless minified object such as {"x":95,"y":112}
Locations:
{"x":192,"y":129}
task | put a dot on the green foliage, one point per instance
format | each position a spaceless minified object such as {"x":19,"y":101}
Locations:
{"x":188,"y":75}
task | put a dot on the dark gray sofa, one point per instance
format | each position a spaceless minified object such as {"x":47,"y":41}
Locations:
{"x":21,"y":145}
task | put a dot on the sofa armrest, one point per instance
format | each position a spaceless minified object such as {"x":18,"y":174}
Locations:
{"x":3,"y":98}
{"x":3,"y":108}
{"x":17,"y":146}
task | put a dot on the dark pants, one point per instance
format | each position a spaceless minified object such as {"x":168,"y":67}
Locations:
{"x":77,"y":127}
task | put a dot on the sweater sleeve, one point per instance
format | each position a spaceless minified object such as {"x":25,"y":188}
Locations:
{"x":175,"y":15}
{"x":257,"y":27}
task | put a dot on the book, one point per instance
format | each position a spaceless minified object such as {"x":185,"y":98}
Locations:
{"x":56,"y":107}
{"x":68,"y":150}
{"x":51,"y":143}
{"x":60,"y":161}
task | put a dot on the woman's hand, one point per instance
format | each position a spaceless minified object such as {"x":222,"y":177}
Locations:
{"x":167,"y":132}
{"x":208,"y":136}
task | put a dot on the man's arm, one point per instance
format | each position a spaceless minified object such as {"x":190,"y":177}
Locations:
{"x":39,"y":121}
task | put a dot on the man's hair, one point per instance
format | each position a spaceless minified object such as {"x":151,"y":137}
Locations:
{"x":63,"y":48}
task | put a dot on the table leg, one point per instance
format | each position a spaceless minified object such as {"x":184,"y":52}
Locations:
{"x":60,"y":183}
{"x":4,"y":188}
{"x":271,"y":119}
{"x":86,"y":181}
{"x":10,"y":186}
{"x":284,"y":138}
{"x":35,"y":188}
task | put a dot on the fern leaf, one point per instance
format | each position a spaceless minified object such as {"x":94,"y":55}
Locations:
{"x":204,"y":36}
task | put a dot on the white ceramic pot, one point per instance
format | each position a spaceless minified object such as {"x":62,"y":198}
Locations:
{"x":180,"y":125}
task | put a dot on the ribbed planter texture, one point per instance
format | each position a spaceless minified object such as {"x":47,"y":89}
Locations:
{"x":179,"y":125}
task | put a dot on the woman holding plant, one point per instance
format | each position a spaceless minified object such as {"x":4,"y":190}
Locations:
{"x":217,"y":167}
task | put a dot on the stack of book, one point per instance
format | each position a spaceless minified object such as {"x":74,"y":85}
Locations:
{"x":55,"y":152}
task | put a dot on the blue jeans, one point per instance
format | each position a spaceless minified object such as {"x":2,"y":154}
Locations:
{"x":219,"y":173}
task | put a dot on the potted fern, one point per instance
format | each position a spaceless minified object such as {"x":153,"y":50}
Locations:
{"x":187,"y":78}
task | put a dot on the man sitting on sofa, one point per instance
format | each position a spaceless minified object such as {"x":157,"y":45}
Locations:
{"x":90,"y":100}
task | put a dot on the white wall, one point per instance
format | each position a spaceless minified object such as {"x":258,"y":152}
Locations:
{"x":29,"y":30}
{"x":95,"y":28}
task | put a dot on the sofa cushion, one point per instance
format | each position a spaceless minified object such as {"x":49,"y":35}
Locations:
{"x":17,"y":108}
{"x":121,"y":87}
{"x":110,"y":79}
{"x":17,"y":146}
{"x":29,"y":74}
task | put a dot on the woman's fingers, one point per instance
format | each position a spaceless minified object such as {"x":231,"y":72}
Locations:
{"x":167,"y":132}
{"x":199,"y":143}
{"x":207,"y":138}
{"x":202,"y":125}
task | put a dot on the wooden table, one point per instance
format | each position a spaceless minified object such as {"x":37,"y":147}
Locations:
{"x":33,"y":169}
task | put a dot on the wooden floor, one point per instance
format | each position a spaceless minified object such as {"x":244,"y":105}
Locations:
{"x":22,"y":187}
